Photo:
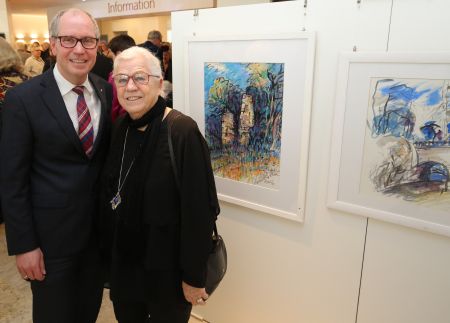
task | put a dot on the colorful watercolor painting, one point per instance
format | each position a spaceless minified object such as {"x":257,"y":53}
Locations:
{"x":407,"y":143}
{"x":243,"y":120}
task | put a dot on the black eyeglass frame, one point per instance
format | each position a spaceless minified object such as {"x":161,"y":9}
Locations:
{"x":78,"y":40}
{"x":132,"y":77}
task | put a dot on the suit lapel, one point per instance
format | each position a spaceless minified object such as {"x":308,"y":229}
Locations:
{"x":101,"y":94}
{"x":55,"y":103}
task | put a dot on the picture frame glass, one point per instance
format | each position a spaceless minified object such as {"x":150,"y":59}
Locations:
{"x":250,"y":96}
{"x":392,"y":155}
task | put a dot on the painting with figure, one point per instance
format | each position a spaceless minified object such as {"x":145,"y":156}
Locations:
{"x":407,"y":143}
{"x":243,"y":120}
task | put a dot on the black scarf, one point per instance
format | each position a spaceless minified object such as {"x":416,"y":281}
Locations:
{"x":129,"y":212}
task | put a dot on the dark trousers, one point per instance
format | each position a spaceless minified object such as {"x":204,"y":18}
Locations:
{"x":135,"y":312}
{"x":72,"y":290}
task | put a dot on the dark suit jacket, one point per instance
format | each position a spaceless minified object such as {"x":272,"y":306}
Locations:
{"x":49,"y":186}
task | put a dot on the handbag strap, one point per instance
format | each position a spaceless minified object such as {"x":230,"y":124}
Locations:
{"x":172,"y":157}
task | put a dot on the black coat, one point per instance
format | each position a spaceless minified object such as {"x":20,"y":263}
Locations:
{"x":177,"y":226}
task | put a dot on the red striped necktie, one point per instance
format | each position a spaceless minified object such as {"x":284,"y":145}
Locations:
{"x":85,"y":129}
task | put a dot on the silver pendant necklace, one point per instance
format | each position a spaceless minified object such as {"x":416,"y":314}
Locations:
{"x":117,"y":199}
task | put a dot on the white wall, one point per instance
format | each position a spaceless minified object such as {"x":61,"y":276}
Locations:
{"x":28,"y":25}
{"x":281,"y":271}
{"x":137,"y":27}
{"x":227,"y":3}
{"x":4,"y":26}
{"x":406,"y":271}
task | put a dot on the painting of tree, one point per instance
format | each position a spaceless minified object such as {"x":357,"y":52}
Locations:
{"x":243,"y":120}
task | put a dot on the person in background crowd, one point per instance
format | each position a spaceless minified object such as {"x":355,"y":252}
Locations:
{"x":167,"y":93}
{"x":104,"y":49}
{"x":153,"y":44}
{"x":34,"y":64}
{"x":45,"y":51}
{"x":11,"y":67}
{"x":167,"y":61}
{"x":55,"y":136}
{"x":157,"y":236}
{"x":103,"y":66}
{"x":117,"y":45}
{"x":103,"y":63}
{"x":50,"y":61}
{"x":22,"y":51}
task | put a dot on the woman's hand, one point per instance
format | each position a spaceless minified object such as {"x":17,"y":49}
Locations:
{"x":194,"y":295}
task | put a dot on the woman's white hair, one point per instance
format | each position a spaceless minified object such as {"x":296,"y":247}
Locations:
{"x":154,"y":65}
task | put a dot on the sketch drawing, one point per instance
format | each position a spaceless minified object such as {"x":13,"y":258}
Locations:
{"x":407,"y":143}
{"x":243,"y":120}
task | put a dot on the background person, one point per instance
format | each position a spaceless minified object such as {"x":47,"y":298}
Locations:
{"x":34,"y":64}
{"x":45,"y":51}
{"x":105,"y":50}
{"x":49,"y":62}
{"x":159,"y":236}
{"x":22,"y":51}
{"x":11,"y":67}
{"x":167,"y":61}
{"x":103,"y":66}
{"x":153,"y":44}
{"x":117,"y":45}
{"x":54,"y":140}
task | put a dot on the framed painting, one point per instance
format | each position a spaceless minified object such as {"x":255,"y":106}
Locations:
{"x":251,"y":97}
{"x":390,"y":156}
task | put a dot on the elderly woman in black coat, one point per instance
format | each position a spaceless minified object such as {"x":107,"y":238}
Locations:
{"x":158,"y":235}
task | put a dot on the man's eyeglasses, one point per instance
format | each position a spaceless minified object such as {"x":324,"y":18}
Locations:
{"x":71,"y":42}
{"x":140,"y":78}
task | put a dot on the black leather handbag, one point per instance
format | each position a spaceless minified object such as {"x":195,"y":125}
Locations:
{"x":217,"y":263}
{"x":217,"y":259}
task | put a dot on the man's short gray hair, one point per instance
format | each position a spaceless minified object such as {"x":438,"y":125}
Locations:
{"x":154,"y":34}
{"x":54,"y":24}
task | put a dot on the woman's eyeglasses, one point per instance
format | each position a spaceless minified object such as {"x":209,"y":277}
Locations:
{"x":139,"y":78}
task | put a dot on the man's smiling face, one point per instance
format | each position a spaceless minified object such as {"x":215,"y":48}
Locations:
{"x":74,"y":63}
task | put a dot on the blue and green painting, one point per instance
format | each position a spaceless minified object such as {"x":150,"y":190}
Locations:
{"x":408,"y":124}
{"x":243,"y":120}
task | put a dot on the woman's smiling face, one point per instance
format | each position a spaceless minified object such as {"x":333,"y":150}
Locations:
{"x":134,"y":97}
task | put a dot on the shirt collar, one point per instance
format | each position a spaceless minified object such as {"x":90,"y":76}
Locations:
{"x":66,"y":86}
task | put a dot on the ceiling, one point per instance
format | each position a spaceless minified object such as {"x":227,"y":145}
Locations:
{"x":37,"y":7}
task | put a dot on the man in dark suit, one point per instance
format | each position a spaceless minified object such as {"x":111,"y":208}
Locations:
{"x":54,"y":140}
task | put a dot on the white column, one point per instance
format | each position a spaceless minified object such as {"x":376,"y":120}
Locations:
{"x":4,"y":21}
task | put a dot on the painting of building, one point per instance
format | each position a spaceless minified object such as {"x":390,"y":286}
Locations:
{"x":243,"y":120}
